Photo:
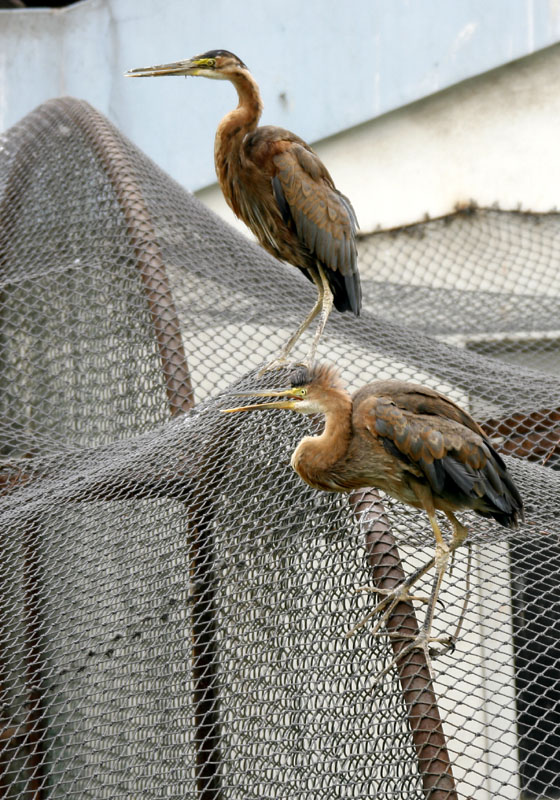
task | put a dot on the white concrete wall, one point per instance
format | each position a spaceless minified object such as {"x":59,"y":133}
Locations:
{"x":324,"y":66}
{"x":491,"y":139}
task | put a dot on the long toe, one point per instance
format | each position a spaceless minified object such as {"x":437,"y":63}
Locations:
{"x":421,"y":641}
{"x":281,"y":362}
{"x":391,"y":599}
{"x":278,"y":363}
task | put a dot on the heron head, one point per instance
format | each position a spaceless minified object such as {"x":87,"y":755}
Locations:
{"x":309,"y":392}
{"x":216,"y":64}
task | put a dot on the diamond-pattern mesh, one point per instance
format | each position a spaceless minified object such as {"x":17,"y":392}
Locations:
{"x":174,"y":600}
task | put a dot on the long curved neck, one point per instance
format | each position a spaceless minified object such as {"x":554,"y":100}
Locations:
{"x":315,"y":456}
{"x":238,"y":123}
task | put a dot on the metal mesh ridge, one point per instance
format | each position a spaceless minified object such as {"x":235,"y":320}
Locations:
{"x":174,"y":601}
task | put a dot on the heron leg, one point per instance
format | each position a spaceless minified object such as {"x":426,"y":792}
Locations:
{"x":318,"y":307}
{"x":460,"y":533}
{"x":461,"y":619}
{"x":424,"y":639}
{"x":392,"y":598}
{"x":401,"y":592}
{"x":326,"y":297}
{"x":441,"y":559}
{"x":443,"y":551}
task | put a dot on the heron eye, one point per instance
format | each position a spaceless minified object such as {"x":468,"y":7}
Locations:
{"x":302,"y":392}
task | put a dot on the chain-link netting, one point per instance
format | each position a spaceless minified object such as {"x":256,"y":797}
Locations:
{"x":174,"y":600}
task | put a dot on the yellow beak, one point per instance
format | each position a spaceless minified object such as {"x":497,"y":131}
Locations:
{"x":188,"y":67}
{"x":291,"y":404}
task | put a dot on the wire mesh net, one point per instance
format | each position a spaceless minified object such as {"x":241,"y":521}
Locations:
{"x":174,"y":601}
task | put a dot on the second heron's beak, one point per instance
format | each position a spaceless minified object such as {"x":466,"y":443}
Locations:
{"x":192,"y":66}
{"x":290,"y":404}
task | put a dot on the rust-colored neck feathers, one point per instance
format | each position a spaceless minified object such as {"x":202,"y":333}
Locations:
{"x":316,"y":456}
{"x":237,"y":124}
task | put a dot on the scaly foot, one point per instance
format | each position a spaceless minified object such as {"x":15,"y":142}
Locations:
{"x":400,"y":594}
{"x":420,"y":642}
{"x":280,"y":363}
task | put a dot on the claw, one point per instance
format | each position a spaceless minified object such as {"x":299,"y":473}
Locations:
{"x":421,"y":641}
{"x":278,"y":363}
{"x":448,"y":642}
{"x":449,"y":646}
{"x":400,"y":594}
{"x":422,"y":598}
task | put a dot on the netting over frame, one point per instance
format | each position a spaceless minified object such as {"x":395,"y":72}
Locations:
{"x":174,"y":601}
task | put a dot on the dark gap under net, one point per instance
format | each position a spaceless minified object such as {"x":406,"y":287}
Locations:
{"x":174,"y":600}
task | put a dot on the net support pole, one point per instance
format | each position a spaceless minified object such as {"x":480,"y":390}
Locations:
{"x":36,"y":723}
{"x":109,"y":148}
{"x":180,"y":397}
{"x":206,"y":690}
{"x":30,"y":736}
{"x":413,"y":669}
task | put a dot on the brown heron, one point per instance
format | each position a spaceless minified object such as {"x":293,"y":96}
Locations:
{"x":411,"y":442}
{"x":282,"y":191}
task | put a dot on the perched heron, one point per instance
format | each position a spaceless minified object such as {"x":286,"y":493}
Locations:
{"x":411,"y":442}
{"x":282,"y":191}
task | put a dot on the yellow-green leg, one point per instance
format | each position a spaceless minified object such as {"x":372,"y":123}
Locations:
{"x":443,"y":551}
{"x":319,"y":307}
{"x":326,"y":296}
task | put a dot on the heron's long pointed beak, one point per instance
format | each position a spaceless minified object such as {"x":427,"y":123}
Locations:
{"x":188,"y":67}
{"x":290,"y":404}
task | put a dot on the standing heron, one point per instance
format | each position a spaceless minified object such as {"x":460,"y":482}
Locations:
{"x":277,"y":185}
{"x":411,"y":442}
